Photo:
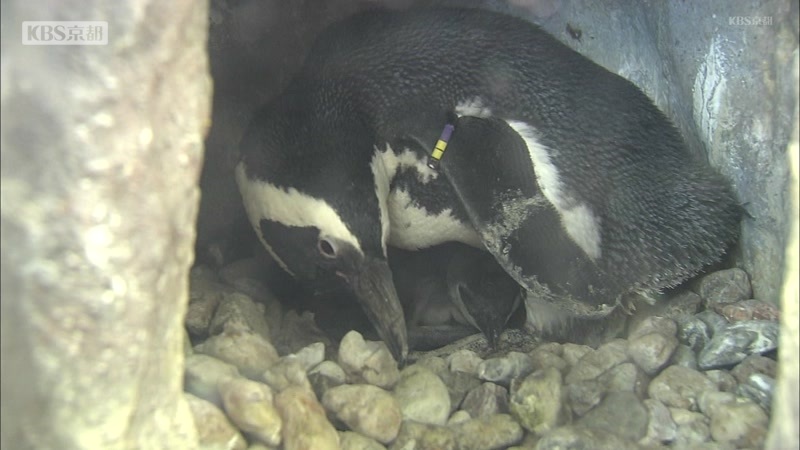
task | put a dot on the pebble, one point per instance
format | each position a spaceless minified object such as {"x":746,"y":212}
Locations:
{"x":620,"y":413}
{"x":202,"y":373}
{"x":459,"y":416}
{"x":285,"y":373}
{"x":652,"y":351}
{"x":235,"y":307}
{"x":750,"y":310}
{"x":350,"y":440}
{"x":754,"y":364}
{"x":367,"y":361}
{"x":202,"y":304}
{"x":684,"y":356}
{"x":504,"y":369}
{"x":273,"y":310}
{"x":249,"y":405}
{"x":694,"y":333}
{"x":679,"y":306}
{"x":464,"y":360}
{"x":725,"y":286}
{"x":572,"y":353}
{"x":759,"y":388}
{"x":326,"y":375}
{"x":722,"y":378}
{"x":486,"y":400}
{"x":735,"y":342}
{"x":298,"y":331}
{"x":488,"y":433}
{"x":305,"y":425}
{"x":536,"y":401}
{"x":595,"y":363}
{"x":742,"y":423}
{"x":679,"y":387}
{"x":653,"y":324}
{"x":713,"y":321}
{"x":543,"y":358}
{"x":216,"y":432}
{"x":420,"y":436}
{"x":458,"y":385}
{"x":422,"y":396}
{"x":625,"y":377}
{"x":661,"y":429}
{"x":584,"y":395}
{"x":241,"y":347}
{"x":576,"y":437}
{"x":365,"y":409}
{"x":692,"y":428}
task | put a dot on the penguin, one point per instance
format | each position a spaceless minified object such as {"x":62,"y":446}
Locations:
{"x":427,"y":126}
{"x":449,"y":285}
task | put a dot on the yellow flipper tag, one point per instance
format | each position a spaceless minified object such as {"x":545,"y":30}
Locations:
{"x":440,"y":147}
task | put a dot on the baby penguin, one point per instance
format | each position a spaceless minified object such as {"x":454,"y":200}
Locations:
{"x":452,"y":284}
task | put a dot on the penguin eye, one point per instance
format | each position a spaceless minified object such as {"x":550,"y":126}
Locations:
{"x":326,"y":248}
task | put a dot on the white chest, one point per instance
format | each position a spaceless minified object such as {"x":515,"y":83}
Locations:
{"x":412,"y":227}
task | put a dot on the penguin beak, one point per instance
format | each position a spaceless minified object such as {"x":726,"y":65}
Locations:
{"x":374,"y":289}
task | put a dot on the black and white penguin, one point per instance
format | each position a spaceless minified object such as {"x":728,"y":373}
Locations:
{"x":421,"y":127}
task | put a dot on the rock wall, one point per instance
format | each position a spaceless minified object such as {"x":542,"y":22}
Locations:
{"x":101,"y":154}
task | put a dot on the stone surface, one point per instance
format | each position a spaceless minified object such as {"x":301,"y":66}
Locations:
{"x":249,"y":406}
{"x":685,"y":357}
{"x":215,"y":431}
{"x":653,"y":324}
{"x":584,"y":395}
{"x":305,"y":425}
{"x":738,"y":340}
{"x":620,"y":413}
{"x":750,"y":310}
{"x":722,"y":378}
{"x":100,"y":195}
{"x":420,"y":436}
{"x":241,"y":347}
{"x":349,"y":440}
{"x":464,"y":361}
{"x":625,"y":377}
{"x":661,"y":429}
{"x":503,"y":369}
{"x":285,"y":373}
{"x":536,"y":401}
{"x":679,"y":387}
{"x":572,"y":353}
{"x":367,"y":361}
{"x":574,"y":437}
{"x":692,"y":428}
{"x":366,"y":409}
{"x":725,"y":286}
{"x":543,"y":358}
{"x":713,"y":321}
{"x":754,"y":364}
{"x":422,"y":396}
{"x":759,"y":388}
{"x":694,"y":333}
{"x":239,"y":309}
{"x":488,"y":433}
{"x":742,"y":423}
{"x":594,"y":363}
{"x":652,"y":351}
{"x":202,"y":375}
{"x":204,"y":295}
{"x":326,"y":375}
{"x":486,"y":400}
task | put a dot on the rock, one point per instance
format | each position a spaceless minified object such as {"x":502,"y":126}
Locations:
{"x":204,"y":297}
{"x":620,"y":413}
{"x":754,"y":364}
{"x":575,"y":437}
{"x":543,"y":358}
{"x":349,"y":440}
{"x":243,"y":268}
{"x":422,"y":396}
{"x":738,"y":340}
{"x":758,"y":388}
{"x":488,"y":433}
{"x":457,"y":417}
{"x":536,"y":401}
{"x":237,"y":308}
{"x":742,"y":423}
{"x":365,"y":409}
{"x":249,"y":406}
{"x":584,"y":395}
{"x":750,"y":310}
{"x":285,"y":373}
{"x":367,"y":361}
{"x":458,"y":385}
{"x":239,"y":346}
{"x":503,"y":369}
{"x":661,"y":429}
{"x":420,"y":436}
{"x":326,"y":375}
{"x":572,"y":353}
{"x":464,"y":361}
{"x":725,"y":286}
{"x":299,"y":331}
{"x":653,"y":324}
{"x":679,"y":306}
{"x":692,"y":428}
{"x":709,"y":401}
{"x":694,"y":333}
{"x":625,"y":377}
{"x":652,"y":351}
{"x":308,"y":356}
{"x":203,"y":373}
{"x":273,"y":311}
{"x":713,"y":321}
{"x":305,"y":425}
{"x":684,"y":356}
{"x":722,"y":378}
{"x":594,"y":363}
{"x":486,"y":400}
{"x":215,"y":431}
{"x":679,"y":387}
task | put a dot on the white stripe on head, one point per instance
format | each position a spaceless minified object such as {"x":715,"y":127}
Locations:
{"x":290,"y":207}
{"x":383,"y":177}
{"x":474,"y":108}
{"x":578,"y":219}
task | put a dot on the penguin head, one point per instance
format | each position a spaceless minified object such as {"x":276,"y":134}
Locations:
{"x":315,"y":203}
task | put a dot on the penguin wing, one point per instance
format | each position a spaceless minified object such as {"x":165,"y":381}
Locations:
{"x":491,"y":171}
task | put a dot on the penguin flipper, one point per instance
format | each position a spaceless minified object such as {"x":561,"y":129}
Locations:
{"x":488,"y":165}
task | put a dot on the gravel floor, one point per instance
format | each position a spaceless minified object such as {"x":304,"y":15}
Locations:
{"x":696,"y":371}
